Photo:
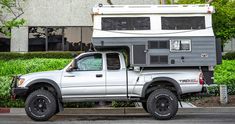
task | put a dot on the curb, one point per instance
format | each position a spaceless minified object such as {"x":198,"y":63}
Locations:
{"x":120,"y":111}
{"x":4,"y":110}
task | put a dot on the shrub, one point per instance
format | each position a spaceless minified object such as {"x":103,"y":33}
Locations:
{"x":5,"y":94}
{"x":30,"y":55}
{"x":225,"y":74}
{"x":229,"y":56}
{"x":18,"y":66}
{"x":122,"y":104}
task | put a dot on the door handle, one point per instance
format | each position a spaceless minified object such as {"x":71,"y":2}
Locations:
{"x":146,"y":51}
{"x":99,"y":75}
{"x":69,"y":76}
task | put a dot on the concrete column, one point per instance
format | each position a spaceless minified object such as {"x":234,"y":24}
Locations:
{"x":19,"y":39}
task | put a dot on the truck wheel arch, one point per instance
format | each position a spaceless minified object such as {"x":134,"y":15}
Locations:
{"x":158,"y":80}
{"x":56,"y":88}
{"x":50,"y":82}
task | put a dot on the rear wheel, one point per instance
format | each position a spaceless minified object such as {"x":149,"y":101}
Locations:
{"x":162,"y":104}
{"x":40,"y":105}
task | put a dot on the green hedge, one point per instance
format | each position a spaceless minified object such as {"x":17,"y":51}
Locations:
{"x":229,"y":56}
{"x":12,"y":64}
{"x":225,"y":74}
{"x":18,"y":66}
{"x":5,"y":100}
{"x":30,"y":55}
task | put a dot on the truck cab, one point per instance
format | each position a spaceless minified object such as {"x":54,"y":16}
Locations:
{"x":95,"y":74}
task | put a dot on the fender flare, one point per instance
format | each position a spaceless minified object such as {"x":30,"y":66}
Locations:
{"x":48,"y":81}
{"x":159,"y":79}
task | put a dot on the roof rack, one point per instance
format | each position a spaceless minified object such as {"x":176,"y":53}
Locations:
{"x":178,"y":8}
{"x":153,"y":6}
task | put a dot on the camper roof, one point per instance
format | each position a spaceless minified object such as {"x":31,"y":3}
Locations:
{"x":147,"y":9}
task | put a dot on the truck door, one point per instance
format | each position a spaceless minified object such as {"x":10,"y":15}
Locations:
{"x":87,"y":80}
{"x":115,"y":75}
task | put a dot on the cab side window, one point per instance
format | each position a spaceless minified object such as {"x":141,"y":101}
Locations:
{"x":91,"y":62}
{"x":113,"y":61}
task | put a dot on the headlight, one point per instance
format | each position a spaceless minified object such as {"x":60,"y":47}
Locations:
{"x":20,"y":81}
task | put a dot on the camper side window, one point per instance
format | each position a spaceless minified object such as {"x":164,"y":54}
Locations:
{"x":182,"y":45}
{"x":125,"y":23}
{"x":183,"y":23}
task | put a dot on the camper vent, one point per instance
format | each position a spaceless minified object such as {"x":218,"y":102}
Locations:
{"x":158,"y":44}
{"x":159,"y":59}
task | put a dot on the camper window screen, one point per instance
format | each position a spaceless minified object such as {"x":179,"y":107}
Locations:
{"x":125,"y":23}
{"x":180,"y":45}
{"x":183,"y":23}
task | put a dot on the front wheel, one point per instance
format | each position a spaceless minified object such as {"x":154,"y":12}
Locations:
{"x":162,"y":104}
{"x":40,"y":105}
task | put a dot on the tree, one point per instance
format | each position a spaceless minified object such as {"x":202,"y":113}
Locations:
{"x":10,"y":12}
{"x":223,"y":19}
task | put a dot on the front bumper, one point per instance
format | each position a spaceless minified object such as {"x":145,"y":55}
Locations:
{"x":17,"y":92}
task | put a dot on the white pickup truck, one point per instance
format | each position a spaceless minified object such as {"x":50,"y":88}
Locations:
{"x":104,"y":76}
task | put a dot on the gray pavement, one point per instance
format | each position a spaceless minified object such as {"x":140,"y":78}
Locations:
{"x":211,"y":115}
{"x":181,"y":118}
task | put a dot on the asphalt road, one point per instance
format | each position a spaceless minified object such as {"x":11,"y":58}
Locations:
{"x":186,"y":118}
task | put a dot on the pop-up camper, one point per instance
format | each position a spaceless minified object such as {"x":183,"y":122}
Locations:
{"x":158,"y":35}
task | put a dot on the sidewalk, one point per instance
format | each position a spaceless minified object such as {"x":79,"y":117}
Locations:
{"x":124,"y":111}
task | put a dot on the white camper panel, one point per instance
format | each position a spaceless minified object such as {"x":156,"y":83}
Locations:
{"x":158,"y":35}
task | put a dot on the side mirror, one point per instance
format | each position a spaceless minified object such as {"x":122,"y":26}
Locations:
{"x":72,"y":66}
{"x":69,"y":69}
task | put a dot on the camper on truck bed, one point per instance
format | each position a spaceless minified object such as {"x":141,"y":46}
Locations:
{"x":159,"y":35}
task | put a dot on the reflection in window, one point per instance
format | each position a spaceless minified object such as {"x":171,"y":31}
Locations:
{"x":90,"y":63}
{"x":60,"y":38}
{"x":183,"y":23}
{"x":55,"y":36}
{"x":4,"y":43}
{"x":126,"y":23}
{"x":37,"y":39}
{"x":180,"y":45}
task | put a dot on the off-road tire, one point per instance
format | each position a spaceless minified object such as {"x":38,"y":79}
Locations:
{"x":40,"y":105}
{"x":162,"y":104}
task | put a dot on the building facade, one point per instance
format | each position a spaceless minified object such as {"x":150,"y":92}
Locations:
{"x":57,"y":25}
{"x":61,"y":25}
{"x":229,"y":46}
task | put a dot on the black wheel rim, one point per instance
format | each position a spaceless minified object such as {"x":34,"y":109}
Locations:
{"x":39,"y":106}
{"x":163,"y":105}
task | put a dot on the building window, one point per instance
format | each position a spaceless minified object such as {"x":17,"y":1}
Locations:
{"x":37,"y":39}
{"x":180,"y":45}
{"x":158,"y":44}
{"x":78,"y":38}
{"x":4,"y":43}
{"x":60,"y":38}
{"x":126,"y":23}
{"x":183,"y":23}
{"x":55,"y":39}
